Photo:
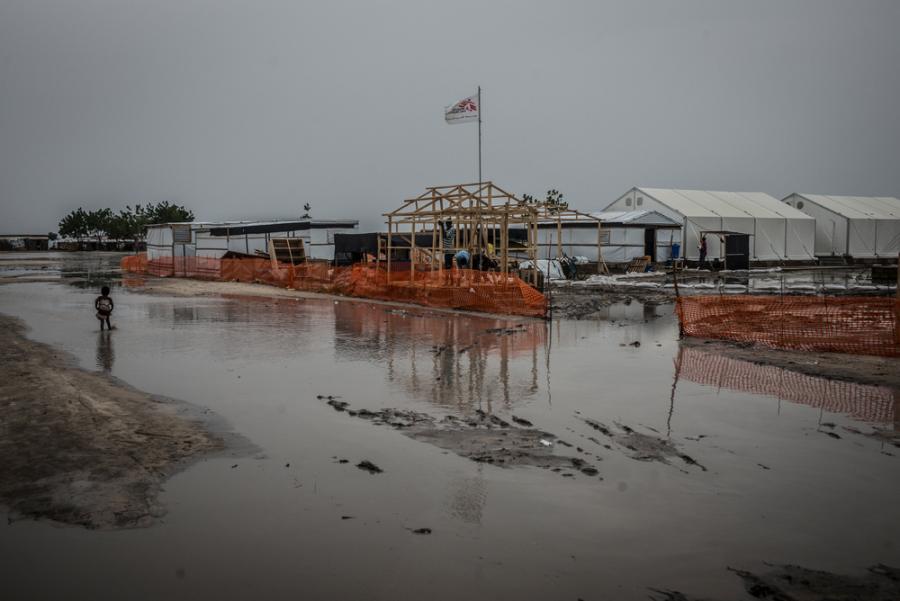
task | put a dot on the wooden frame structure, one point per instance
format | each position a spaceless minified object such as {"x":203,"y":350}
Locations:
{"x":481,"y":214}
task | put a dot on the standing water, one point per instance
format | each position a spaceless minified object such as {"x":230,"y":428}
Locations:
{"x":702,"y":463}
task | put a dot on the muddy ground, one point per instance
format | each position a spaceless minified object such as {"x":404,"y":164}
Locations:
{"x":481,"y":437}
{"x":586,"y":303}
{"x":80,"y":447}
{"x":797,"y":583}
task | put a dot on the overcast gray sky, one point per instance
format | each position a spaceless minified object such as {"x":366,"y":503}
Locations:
{"x":249,"y":109}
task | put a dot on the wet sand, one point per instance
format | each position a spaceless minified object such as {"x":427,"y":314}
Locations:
{"x":81,"y":448}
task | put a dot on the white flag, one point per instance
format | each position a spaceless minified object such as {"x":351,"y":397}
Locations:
{"x":463,"y":111}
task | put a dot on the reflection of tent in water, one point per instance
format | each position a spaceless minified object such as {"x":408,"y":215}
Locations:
{"x":861,"y":401}
{"x":455,"y":361}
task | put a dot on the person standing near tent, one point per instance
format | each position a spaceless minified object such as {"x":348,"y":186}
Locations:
{"x":449,"y":240}
{"x":702,"y":250}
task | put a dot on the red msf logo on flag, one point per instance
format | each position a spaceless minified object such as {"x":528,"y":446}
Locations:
{"x":463,"y":111}
{"x":468,"y":105}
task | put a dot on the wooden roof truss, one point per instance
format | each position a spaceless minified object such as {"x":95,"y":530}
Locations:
{"x":481,"y":214}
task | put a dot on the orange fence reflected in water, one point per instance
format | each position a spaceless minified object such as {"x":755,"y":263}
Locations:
{"x":860,"y":401}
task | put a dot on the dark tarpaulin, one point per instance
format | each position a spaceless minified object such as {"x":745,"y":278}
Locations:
{"x":276,"y":227}
{"x":352,"y":248}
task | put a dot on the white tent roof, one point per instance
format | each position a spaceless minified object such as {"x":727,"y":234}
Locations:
{"x":635,"y":217}
{"x":858,"y":207}
{"x":705,"y":203}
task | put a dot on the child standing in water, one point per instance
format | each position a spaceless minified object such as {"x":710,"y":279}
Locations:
{"x":104,"y":306}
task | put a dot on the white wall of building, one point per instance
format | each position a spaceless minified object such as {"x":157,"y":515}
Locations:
{"x":318,"y":242}
{"x":776,"y":232}
{"x":862,"y":227}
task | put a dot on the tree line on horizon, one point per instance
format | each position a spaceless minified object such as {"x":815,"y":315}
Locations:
{"x":128,"y":224}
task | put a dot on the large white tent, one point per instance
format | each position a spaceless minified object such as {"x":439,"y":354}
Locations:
{"x":777,"y":231}
{"x":857,"y":226}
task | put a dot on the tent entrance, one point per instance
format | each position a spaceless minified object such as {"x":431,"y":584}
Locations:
{"x":650,"y":244}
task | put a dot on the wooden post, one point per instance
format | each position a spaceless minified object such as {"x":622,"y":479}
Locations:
{"x":390,"y":235}
{"x":434,"y":229}
{"x":558,"y":237}
{"x":547,"y":278}
{"x":504,"y":244}
{"x":677,"y":301}
{"x":412,"y":252}
{"x":897,"y":308}
{"x":534,"y":249}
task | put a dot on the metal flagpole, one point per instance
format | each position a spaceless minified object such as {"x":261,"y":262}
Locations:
{"x":480,"y":187}
{"x":479,"y":136}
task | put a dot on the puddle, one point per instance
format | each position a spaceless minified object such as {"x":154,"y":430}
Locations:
{"x":775,"y":488}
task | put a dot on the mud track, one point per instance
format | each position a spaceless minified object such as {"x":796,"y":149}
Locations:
{"x":797,"y":583}
{"x":481,"y":437}
{"x":81,"y":447}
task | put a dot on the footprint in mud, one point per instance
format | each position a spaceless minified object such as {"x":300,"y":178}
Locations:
{"x":481,"y":437}
{"x":640,"y":446}
{"x":891,"y":437}
{"x":370,"y":467}
{"x":420,"y":530}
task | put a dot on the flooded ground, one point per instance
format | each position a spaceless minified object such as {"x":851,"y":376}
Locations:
{"x":789,"y":280}
{"x":782,"y":468}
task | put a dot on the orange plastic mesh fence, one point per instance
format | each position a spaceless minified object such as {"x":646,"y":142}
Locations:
{"x":858,"y":325}
{"x":452,"y":289}
{"x":862,"y":401}
{"x":135,"y":263}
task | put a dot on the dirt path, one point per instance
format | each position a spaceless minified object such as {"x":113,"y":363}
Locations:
{"x":81,"y":447}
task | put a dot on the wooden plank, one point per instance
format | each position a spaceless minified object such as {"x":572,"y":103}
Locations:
{"x":287,"y":250}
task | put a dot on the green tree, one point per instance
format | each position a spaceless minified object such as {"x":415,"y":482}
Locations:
{"x":97,"y":223}
{"x":166,"y":212}
{"x":553,"y":201}
{"x":118,"y":227}
{"x":128,"y":224}
{"x":136,"y":220}
{"x":74,"y":225}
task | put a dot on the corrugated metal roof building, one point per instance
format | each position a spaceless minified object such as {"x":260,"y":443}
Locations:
{"x":623,"y":236}
{"x":777,"y":231}
{"x":856,"y":226}
{"x":213,"y":239}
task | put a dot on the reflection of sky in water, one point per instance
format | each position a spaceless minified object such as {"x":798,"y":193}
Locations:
{"x":457,"y":362}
